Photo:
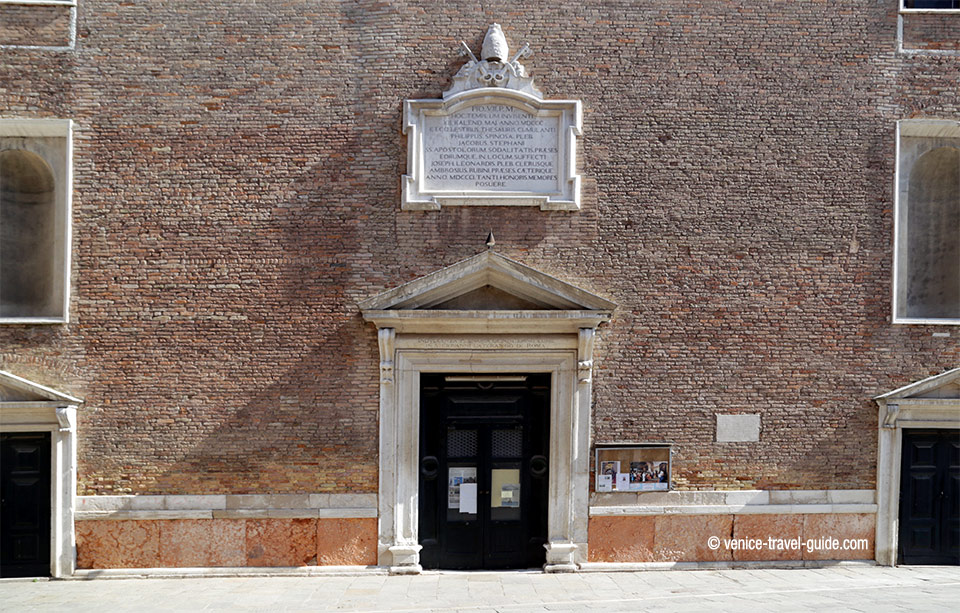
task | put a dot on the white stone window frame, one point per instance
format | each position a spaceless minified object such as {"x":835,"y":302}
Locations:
{"x":932,"y":128}
{"x":54,"y":412}
{"x":71,"y":4}
{"x":41,"y":2}
{"x":903,"y":13}
{"x":63,"y":177}
{"x":904,"y":9}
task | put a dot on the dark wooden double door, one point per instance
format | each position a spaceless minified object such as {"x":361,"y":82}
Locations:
{"x":483,"y":471}
{"x":930,"y":497}
{"x":25,"y":504}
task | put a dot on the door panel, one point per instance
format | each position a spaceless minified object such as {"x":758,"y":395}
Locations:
{"x":484,"y":437}
{"x":25,"y":504}
{"x":929,"y":493}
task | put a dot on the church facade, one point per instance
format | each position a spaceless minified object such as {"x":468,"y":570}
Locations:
{"x":351,"y":286}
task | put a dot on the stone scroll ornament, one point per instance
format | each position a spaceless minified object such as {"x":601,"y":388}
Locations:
{"x":492,"y":140}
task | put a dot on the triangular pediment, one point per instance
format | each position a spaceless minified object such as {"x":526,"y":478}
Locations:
{"x":946,"y":385}
{"x":14,"y":389}
{"x":488,"y":288}
{"x":493,"y":275}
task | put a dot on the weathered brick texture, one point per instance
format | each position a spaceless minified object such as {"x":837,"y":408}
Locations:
{"x":236,"y":192}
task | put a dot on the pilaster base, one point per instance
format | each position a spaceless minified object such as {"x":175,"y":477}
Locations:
{"x":406,"y":560}
{"x":560,"y":558}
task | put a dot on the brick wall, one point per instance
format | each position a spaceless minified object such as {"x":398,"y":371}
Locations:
{"x":237,"y":167}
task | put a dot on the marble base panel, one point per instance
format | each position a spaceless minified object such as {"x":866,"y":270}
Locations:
{"x":347,"y":542}
{"x":688,"y":538}
{"x":192,"y":543}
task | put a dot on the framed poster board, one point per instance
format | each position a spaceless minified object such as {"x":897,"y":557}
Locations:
{"x":633,"y":467}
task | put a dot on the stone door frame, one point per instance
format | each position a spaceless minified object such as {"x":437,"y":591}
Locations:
{"x":431,"y":324}
{"x":913,"y":406}
{"x":31,"y":407}
{"x":398,"y":542}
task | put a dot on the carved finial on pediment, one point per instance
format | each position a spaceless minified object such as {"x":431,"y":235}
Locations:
{"x":494,"y":69}
{"x":495,"y":47}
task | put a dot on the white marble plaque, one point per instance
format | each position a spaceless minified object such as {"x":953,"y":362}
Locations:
{"x":492,"y":147}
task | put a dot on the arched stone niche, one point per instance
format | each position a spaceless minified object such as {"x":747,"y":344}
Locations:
{"x":27,"y":234}
{"x":35,"y":199}
{"x":926,"y":284}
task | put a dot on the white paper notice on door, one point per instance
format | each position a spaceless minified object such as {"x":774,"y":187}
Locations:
{"x":468,"y":497}
{"x":458,"y":476}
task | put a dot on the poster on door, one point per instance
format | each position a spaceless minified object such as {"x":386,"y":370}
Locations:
{"x":505,"y":488}
{"x":457,"y":477}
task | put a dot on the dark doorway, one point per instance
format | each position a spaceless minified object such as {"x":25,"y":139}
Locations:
{"x":483,"y":470}
{"x":930,"y":497}
{"x":25,"y":504}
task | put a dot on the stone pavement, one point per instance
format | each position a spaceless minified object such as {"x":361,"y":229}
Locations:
{"x":842,"y":588}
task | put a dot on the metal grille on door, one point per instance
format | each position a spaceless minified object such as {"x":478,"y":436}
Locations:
{"x":506,"y":443}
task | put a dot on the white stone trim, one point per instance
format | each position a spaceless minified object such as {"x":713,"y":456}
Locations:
{"x":486,"y":268}
{"x":747,"y":509}
{"x":72,"y":34}
{"x":227,"y":571}
{"x":141,"y":515}
{"x":898,"y":410}
{"x":915,"y":50}
{"x":569,"y":115}
{"x":732,"y":497}
{"x":923,"y":128}
{"x":346,"y":513}
{"x":409,"y":308}
{"x":27,"y":387}
{"x":905,"y":10}
{"x":740,"y":502}
{"x":62,"y":170}
{"x":399,"y":445}
{"x":229,"y":506}
{"x":921,"y":387}
{"x":63,"y":480}
{"x":556,"y":337}
{"x":41,"y":2}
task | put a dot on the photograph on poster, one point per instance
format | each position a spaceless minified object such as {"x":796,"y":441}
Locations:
{"x":610,"y":468}
{"x":633,"y":468}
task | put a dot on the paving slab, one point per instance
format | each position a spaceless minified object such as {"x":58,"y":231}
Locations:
{"x":867,"y":589}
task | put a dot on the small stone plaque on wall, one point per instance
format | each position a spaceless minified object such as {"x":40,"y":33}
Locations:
{"x":738,"y":428}
{"x":492,"y":139}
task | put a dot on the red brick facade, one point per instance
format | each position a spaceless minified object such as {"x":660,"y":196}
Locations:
{"x":236,"y":193}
